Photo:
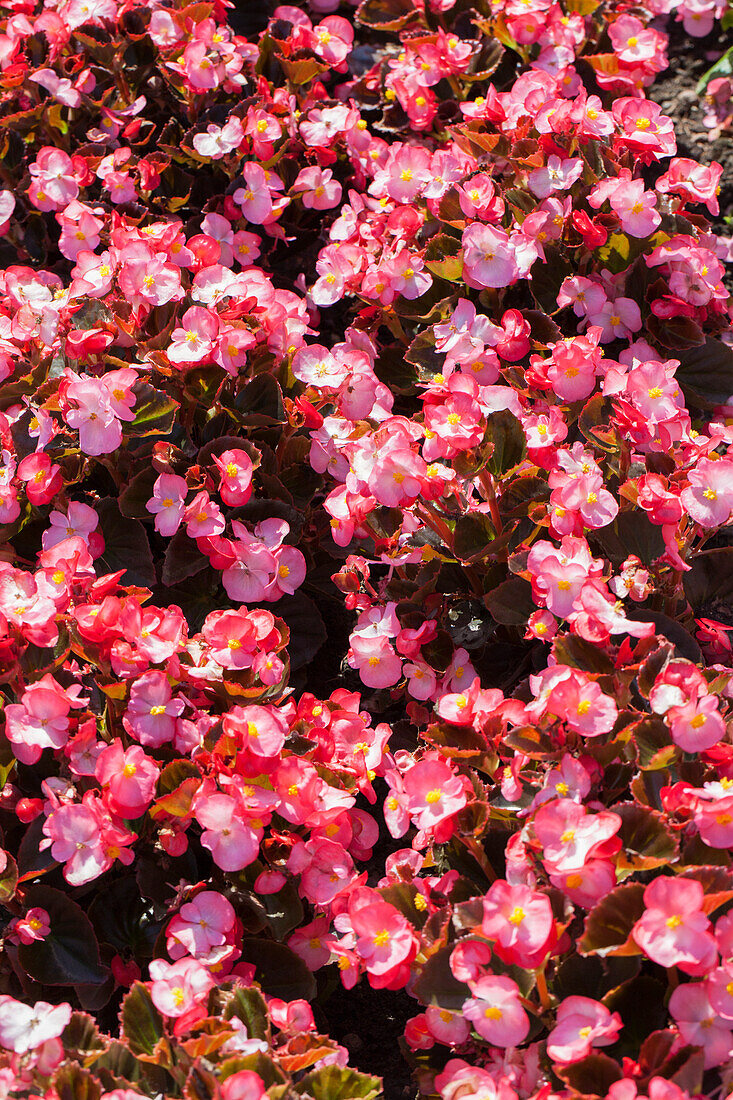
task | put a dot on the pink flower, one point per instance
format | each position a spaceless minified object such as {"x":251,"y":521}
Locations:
{"x":167,"y":503}
{"x":99,"y":428}
{"x":147,"y":279}
{"x":195,"y":341}
{"x":581,"y":1024}
{"x":254,"y":198}
{"x":385,"y":938}
{"x":235,"y":468}
{"x":488,"y":256}
{"x":130,"y":777}
{"x":317,"y":188}
{"x":324,"y":866}
{"x":152,"y":710}
{"x":178,"y":987}
{"x":205,"y":922}
{"x":85,"y":840}
{"x":636,"y":208}
{"x":334,"y":37}
{"x":570,"y":836}
{"x":217,"y":141}
{"x":233,"y":842}
{"x":313,"y":943}
{"x":700,"y":1024}
{"x":520,"y":920}
{"x":232,"y":637}
{"x":697,"y":725}
{"x":408,"y":172}
{"x":375,"y":660}
{"x":496,"y":1012}
{"x":708,"y":498}
{"x":27,"y":1027}
{"x":674,"y":930}
{"x":434,"y":792}
{"x":316,"y":366}
{"x":259,"y":730}
{"x":245,"y":1084}
{"x":447,"y":1027}
{"x":35,"y":925}
{"x":54,"y":184}
{"x":247,"y":579}
{"x":203,"y":517}
{"x":558,"y":175}
{"x":41,"y":719}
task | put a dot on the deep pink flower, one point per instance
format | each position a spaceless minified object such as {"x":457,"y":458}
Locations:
{"x":674,"y":930}
{"x":520,"y":922}
{"x":581,"y":1024}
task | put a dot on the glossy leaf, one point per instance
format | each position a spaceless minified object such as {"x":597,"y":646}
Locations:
{"x":69,"y":954}
{"x":142,"y":1024}
{"x":609,"y":923}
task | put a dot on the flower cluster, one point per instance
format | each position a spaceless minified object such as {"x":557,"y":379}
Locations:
{"x":366,"y":489}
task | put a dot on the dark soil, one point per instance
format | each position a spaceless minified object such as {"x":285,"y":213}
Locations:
{"x":675,"y":92}
{"x":369,"y":1023}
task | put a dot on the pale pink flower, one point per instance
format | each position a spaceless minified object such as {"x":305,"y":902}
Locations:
{"x":496,"y":1012}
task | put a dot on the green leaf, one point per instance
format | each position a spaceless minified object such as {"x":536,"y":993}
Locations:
{"x":261,"y":402}
{"x":437,"y":986}
{"x":676,"y":334}
{"x":142,"y":1024}
{"x":644,"y":837}
{"x":385,"y":15}
{"x":620,"y":251}
{"x":709,"y":582}
{"x":283,"y":911}
{"x":661,"y":1056}
{"x":518,"y":495}
{"x":509,"y":442}
{"x":339,"y":1083}
{"x":422,"y":354}
{"x":201,"y":1084}
{"x":546,"y":278}
{"x":155,"y":411}
{"x":531,"y":742}
{"x":593,"y":1076}
{"x":717,"y":884}
{"x":279,"y":971}
{"x":307,"y":629}
{"x":608,"y":925}
{"x":8,"y":880}
{"x":135,"y":496}
{"x":683,"y":642}
{"x":248,"y":1005}
{"x":174,"y":774}
{"x":511,"y":602}
{"x":444,"y":257}
{"x":640,"y":1004}
{"x":125,"y":920}
{"x":705,"y":373}
{"x":182,"y":560}
{"x":402,"y":895}
{"x":631,"y":532}
{"x":654,"y":746}
{"x":472,"y":536}
{"x":126,"y":545}
{"x":69,"y":954}
{"x":570,"y":649}
{"x":82,"y":1037}
{"x":258,"y":1063}
{"x":71,"y":1082}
